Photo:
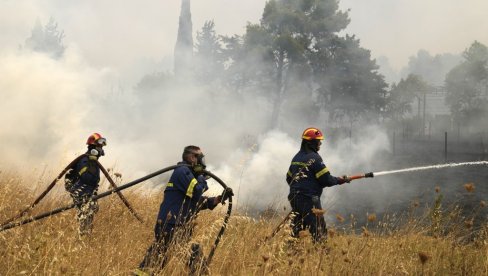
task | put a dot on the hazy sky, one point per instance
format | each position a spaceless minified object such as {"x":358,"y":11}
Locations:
{"x":398,"y":28}
{"x":125,"y":33}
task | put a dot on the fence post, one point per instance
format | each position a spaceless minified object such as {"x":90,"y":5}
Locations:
{"x":445,"y":147}
{"x":393,"y":144}
{"x":483,"y":150}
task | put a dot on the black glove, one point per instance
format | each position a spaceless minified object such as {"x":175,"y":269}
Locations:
{"x":206,"y":176}
{"x":226,"y":194}
{"x":343,"y":179}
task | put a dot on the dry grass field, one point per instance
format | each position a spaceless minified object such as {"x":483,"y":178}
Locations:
{"x":440,"y":242}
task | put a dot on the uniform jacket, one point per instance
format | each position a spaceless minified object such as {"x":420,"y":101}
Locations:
{"x":308,"y":174}
{"x":183,"y":197}
{"x":88,"y":175}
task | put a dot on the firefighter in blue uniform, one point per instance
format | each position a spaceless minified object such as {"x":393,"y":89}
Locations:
{"x":82,"y":183}
{"x":307,"y":177}
{"x":182,"y":201}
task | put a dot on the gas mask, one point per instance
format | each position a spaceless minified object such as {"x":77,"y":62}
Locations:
{"x":97,"y":151}
{"x":200,"y":166}
{"x":314,"y":144}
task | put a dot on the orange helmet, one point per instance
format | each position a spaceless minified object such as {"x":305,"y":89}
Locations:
{"x":96,"y":139}
{"x":312,"y":133}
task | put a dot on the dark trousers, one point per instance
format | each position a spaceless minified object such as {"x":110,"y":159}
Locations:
{"x":157,"y":256}
{"x":304,"y":217}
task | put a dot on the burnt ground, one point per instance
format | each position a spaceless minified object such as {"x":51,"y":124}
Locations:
{"x":397,"y":192}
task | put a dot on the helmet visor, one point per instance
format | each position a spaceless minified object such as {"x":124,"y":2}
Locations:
{"x":101,"y":142}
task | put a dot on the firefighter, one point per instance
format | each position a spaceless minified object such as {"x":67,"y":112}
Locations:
{"x":182,"y":201}
{"x":82,"y":183}
{"x":307,"y":177}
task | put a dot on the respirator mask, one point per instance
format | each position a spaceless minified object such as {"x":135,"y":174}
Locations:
{"x":98,"y":151}
{"x":200,"y":166}
{"x":314,"y":144}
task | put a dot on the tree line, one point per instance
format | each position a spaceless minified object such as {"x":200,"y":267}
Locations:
{"x":300,"y":61}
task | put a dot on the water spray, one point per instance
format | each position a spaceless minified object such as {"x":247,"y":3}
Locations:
{"x":439,"y":166}
{"x":423,"y":168}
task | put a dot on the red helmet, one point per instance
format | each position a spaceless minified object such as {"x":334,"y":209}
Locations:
{"x":96,"y":139}
{"x":312,"y":133}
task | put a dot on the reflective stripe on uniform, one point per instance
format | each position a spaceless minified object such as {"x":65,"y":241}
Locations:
{"x":299,"y":164}
{"x":289,"y":173}
{"x":83,"y":170}
{"x":189,"y":192}
{"x":322,"y":172}
{"x":92,"y":157}
{"x":170,"y":184}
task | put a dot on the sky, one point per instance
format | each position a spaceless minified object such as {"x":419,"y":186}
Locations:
{"x":397,"y":29}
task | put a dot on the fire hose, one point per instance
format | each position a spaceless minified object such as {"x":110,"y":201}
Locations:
{"x":288,"y":216}
{"x":128,"y":185}
{"x":53,"y":183}
{"x":43,"y":194}
{"x":126,"y":203}
{"x":226,"y":218}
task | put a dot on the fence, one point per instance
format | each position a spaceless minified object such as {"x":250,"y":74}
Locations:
{"x":449,"y":146}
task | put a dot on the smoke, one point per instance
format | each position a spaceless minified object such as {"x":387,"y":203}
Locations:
{"x":44,"y":103}
{"x":385,"y":68}
{"x":51,"y":106}
{"x":258,"y":178}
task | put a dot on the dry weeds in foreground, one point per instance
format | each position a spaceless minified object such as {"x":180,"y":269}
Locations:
{"x":437,"y":243}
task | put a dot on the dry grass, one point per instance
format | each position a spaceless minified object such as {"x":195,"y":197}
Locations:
{"x":118,"y":243}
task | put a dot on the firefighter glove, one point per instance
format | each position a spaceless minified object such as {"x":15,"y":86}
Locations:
{"x":343,"y":179}
{"x":226,"y":194}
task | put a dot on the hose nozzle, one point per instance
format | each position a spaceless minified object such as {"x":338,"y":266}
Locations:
{"x":370,"y":174}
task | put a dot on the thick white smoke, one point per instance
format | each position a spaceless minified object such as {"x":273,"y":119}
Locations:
{"x":258,"y":174}
{"x":44,"y":105}
{"x":51,"y":106}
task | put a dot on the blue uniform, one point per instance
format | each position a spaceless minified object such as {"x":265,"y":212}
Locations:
{"x":88,"y":176}
{"x":182,"y":198}
{"x":85,"y":186}
{"x":182,"y":201}
{"x":307,"y":177}
{"x":308,"y":174}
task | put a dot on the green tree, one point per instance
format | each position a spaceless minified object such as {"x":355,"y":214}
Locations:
{"x":47,"y":39}
{"x":209,"y":59}
{"x":275,"y":53}
{"x":350,"y":85}
{"x":433,"y":69}
{"x":467,"y":85}
{"x":403,"y":94}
